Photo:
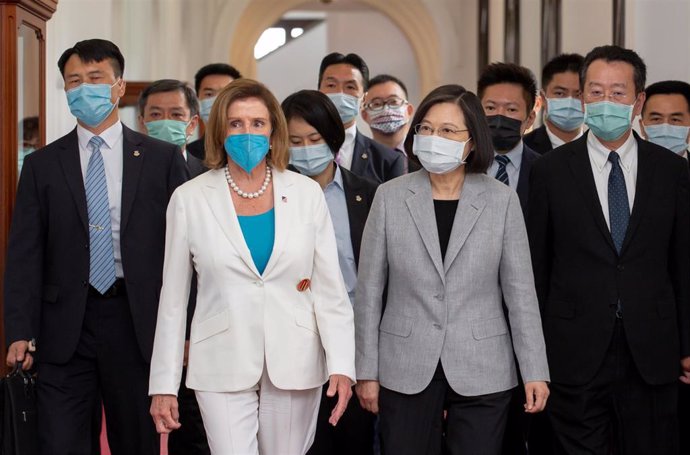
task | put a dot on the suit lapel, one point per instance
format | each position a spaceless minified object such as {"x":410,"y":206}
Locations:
{"x":523,"y":176}
{"x":646,"y":163}
{"x":360,"y":155}
{"x":584,"y":179}
{"x":470,"y":206}
{"x":421,"y":206}
{"x":132,"y":162}
{"x":283,"y":199}
{"x":357,"y":210}
{"x":217,"y":195}
{"x":71,"y":167}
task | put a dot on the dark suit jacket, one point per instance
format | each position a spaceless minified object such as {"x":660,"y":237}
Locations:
{"x":580,"y":278}
{"x":359,"y":194}
{"x":197,"y":148}
{"x":529,"y":156}
{"x":195,"y":165}
{"x":538,"y":140}
{"x":375,"y":161}
{"x":47,"y":274}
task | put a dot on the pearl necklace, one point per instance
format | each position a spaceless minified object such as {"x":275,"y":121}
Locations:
{"x":244,"y":194}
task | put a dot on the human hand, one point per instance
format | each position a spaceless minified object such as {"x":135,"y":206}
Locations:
{"x":536,"y":392}
{"x":340,"y":384}
{"x":368,"y":394}
{"x":20,"y":351}
{"x":164,"y":411}
{"x":685,"y":370}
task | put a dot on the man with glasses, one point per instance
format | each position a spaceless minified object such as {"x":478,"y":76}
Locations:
{"x":388,"y":112}
{"x":345,"y":79}
{"x":508,"y":93}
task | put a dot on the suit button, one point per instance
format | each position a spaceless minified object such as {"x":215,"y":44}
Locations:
{"x":86,"y":246}
{"x":438,"y":296}
{"x":85,"y":283}
{"x":620,"y":268}
{"x":438,"y":326}
{"x":259,"y":283}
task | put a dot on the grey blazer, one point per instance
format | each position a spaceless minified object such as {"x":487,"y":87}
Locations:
{"x":450,"y":311}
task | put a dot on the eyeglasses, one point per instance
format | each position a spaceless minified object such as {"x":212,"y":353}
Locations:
{"x":445,"y":132}
{"x":377,"y":103}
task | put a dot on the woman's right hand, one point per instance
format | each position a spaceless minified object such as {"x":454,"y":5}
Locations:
{"x":164,"y":411}
{"x":368,"y":395}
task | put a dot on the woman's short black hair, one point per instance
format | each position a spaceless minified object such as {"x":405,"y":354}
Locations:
{"x":482,"y":154}
{"x":318,"y":110}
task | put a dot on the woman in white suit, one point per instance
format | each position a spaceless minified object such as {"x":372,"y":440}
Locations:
{"x":273,"y":321}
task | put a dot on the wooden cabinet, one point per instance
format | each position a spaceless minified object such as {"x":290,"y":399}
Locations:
{"x":22,"y":102}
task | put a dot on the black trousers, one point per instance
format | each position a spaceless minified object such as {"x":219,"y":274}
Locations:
{"x":354,"y":433}
{"x":526,"y":433}
{"x":684,"y":417}
{"x":414,"y":425}
{"x":190,"y":438}
{"x":107,"y":366}
{"x":616,"y":412}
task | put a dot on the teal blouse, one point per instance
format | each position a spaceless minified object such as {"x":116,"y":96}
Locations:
{"x":259,"y":233}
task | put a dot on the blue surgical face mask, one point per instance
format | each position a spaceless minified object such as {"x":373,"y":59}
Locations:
{"x":91,"y":103}
{"x":247,"y":150}
{"x":205,"y":108}
{"x":438,"y":155}
{"x":173,"y":131}
{"x":311,"y":159}
{"x":608,"y":121}
{"x":673,"y":137}
{"x":565,"y":113}
{"x":347,"y":105}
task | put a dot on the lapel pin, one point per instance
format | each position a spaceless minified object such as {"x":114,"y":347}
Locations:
{"x":136,"y":153}
{"x":284,"y":198}
{"x":303,"y":285}
{"x":364,"y":156}
{"x":358,"y":198}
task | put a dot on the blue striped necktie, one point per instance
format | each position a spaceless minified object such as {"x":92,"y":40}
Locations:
{"x":502,"y":173}
{"x":619,"y":207}
{"x":102,"y":260}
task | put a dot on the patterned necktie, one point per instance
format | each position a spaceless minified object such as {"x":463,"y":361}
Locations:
{"x":102,"y":260}
{"x":502,"y":173}
{"x":619,"y":207}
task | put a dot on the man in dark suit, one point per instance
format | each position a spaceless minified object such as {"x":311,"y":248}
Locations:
{"x":609,"y":229}
{"x":560,"y":98}
{"x":169,"y":111}
{"x":208,"y":81}
{"x":84,"y":263}
{"x":388,"y":113}
{"x":345,"y":78}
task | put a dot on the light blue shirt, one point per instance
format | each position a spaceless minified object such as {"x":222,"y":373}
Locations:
{"x":513,"y":168}
{"x":337,"y":205}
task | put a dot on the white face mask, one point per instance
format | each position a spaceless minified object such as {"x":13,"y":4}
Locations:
{"x":438,"y":155}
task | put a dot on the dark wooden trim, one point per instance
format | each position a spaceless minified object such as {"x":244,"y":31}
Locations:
{"x":619,"y":22}
{"x":483,"y":35}
{"x":550,"y":30}
{"x":132,"y":92}
{"x":511,"y":26}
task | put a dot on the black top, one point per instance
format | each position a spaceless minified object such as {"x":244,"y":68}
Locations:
{"x":445,"y":214}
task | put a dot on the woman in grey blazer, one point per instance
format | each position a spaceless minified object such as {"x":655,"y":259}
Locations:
{"x":449,"y":245}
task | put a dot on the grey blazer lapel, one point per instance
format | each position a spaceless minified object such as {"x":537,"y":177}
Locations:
{"x":470,"y":206}
{"x":421,"y":206}
{"x":218,"y":197}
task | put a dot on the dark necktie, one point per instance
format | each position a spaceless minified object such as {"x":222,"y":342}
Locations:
{"x":502,"y":173}
{"x":619,"y":207}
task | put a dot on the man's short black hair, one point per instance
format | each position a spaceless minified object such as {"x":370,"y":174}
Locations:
{"x":318,"y":110}
{"x":215,"y":68}
{"x":610,"y":53}
{"x":564,"y":63}
{"x":95,"y":50}
{"x":383,"y":78}
{"x":169,"y":85}
{"x":668,"y":88}
{"x":354,"y":60}
{"x":509,"y":73}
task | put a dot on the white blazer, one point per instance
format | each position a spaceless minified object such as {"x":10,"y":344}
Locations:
{"x":244,"y":319}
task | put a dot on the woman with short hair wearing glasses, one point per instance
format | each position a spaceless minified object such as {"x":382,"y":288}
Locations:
{"x":449,"y":244}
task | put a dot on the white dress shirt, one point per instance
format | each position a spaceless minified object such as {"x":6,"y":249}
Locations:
{"x":557,"y":141}
{"x":347,"y":150}
{"x":111,"y":151}
{"x":512,"y":168}
{"x":601,"y":168}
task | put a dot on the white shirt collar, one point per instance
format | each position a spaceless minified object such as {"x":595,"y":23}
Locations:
{"x":109,"y":136}
{"x":600,"y":154}
{"x":350,"y":134}
{"x":557,"y":141}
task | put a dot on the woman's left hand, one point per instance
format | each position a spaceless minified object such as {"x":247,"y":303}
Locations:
{"x":537,"y":392}
{"x":342,"y":385}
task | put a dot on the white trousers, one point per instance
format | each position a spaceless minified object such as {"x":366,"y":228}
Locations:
{"x":263,"y":420}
